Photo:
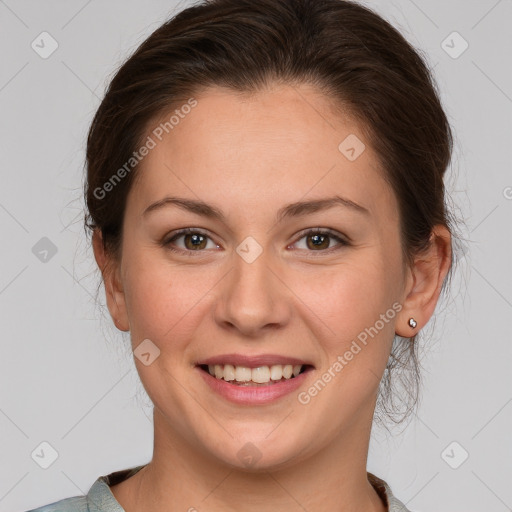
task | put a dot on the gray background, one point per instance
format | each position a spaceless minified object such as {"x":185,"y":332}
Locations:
{"x":68,"y":378}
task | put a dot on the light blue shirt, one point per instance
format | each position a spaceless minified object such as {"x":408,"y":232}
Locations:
{"x":100,"y":497}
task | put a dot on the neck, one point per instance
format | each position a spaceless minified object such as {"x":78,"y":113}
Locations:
{"x":181,"y":478}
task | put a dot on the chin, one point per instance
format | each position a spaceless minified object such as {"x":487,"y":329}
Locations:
{"x":254,"y":453}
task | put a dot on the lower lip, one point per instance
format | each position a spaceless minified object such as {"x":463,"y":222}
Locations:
{"x":253,"y":395}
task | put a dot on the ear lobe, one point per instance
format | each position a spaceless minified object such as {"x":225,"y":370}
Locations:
{"x":424,"y":283}
{"x":114,"y":292}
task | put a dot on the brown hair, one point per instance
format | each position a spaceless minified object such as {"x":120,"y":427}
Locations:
{"x":353,"y":55}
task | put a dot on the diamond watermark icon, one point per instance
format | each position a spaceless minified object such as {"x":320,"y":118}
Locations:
{"x":249,"y":249}
{"x":249,"y":455}
{"x":45,"y":455}
{"x":454,"y":45}
{"x":44,"y":45}
{"x":44,"y":250}
{"x":146,"y":352}
{"x":351,"y":147}
{"x":454,"y":455}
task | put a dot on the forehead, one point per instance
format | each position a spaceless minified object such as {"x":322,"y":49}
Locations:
{"x":273,"y":146}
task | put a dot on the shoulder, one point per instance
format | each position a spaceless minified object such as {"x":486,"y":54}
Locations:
{"x":75,"y":504}
{"x":384,"y":491}
{"x":98,"y":499}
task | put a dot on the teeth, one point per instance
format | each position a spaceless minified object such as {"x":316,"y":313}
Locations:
{"x":276,"y":372}
{"x":287,"y":371}
{"x":259,"y":375}
{"x":219,"y":371}
{"x":229,"y":372}
{"x":242,"y":374}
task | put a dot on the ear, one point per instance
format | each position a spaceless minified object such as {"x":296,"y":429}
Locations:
{"x":111,"y":279}
{"x":424,"y":282}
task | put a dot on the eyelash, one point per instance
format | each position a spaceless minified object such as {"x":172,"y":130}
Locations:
{"x":316,"y":231}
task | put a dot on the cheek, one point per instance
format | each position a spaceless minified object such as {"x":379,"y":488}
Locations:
{"x":355,"y":302}
{"x":164,"y":301}
{"x":350,"y":296}
{"x":358,"y":308}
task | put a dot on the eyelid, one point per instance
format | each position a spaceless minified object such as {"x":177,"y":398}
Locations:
{"x":324,"y":231}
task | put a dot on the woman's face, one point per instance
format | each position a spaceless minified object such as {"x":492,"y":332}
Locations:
{"x":249,"y":287}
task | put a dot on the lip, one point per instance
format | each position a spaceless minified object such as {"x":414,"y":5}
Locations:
{"x":253,"y":395}
{"x":253,"y":361}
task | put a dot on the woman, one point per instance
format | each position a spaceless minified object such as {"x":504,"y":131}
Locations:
{"x":266,"y":201}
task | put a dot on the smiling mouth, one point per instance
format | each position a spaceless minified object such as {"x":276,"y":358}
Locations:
{"x":259,"y":376}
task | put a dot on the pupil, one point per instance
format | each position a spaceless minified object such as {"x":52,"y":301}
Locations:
{"x":318,"y":240}
{"x":196,"y":240}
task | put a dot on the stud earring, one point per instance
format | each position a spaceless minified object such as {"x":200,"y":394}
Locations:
{"x":412,"y":323}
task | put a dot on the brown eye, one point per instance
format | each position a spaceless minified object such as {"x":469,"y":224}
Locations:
{"x":193,"y":241}
{"x":318,"y":240}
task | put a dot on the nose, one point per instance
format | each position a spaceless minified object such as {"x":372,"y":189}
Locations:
{"x":253,"y":298}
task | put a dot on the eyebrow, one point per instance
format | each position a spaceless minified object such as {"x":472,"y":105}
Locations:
{"x":296,"y":209}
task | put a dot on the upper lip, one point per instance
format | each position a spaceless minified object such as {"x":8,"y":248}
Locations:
{"x":252,"y":361}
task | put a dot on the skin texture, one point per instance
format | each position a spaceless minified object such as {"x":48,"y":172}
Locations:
{"x":250,"y":155}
